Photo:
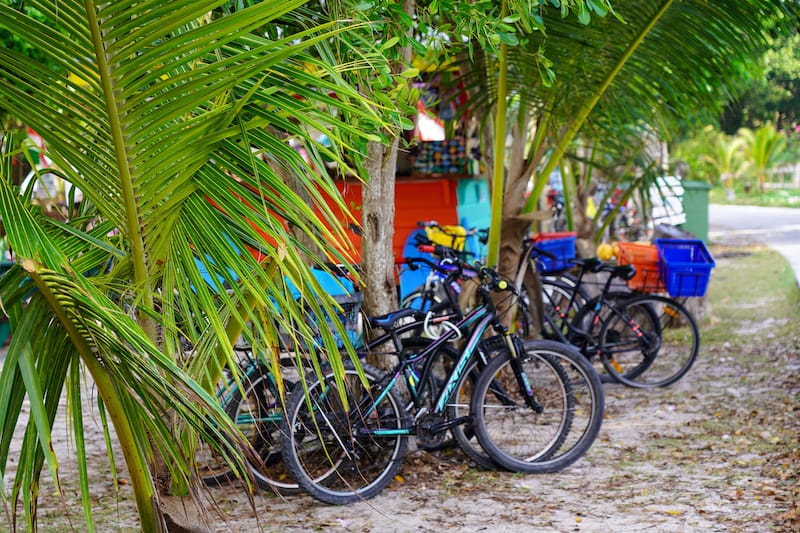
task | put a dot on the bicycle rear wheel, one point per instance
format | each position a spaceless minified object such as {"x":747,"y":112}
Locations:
{"x":649,"y":341}
{"x":539,"y":438}
{"x":587,"y":402}
{"x":257,"y":412}
{"x":459,"y":405}
{"x":332,"y":446}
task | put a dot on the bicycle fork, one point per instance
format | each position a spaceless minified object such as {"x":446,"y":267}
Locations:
{"x":515,"y":345}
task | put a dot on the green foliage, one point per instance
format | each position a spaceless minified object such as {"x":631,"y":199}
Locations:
{"x":761,"y":276}
{"x":12,"y":41}
{"x":487,"y":25}
{"x":710,"y":156}
{"x":763,"y":148}
{"x":178,"y":137}
{"x":745,"y":192}
{"x":770,"y":93}
{"x":715,"y":157}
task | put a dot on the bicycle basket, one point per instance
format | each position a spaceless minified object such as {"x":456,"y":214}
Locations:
{"x":685,"y":266}
{"x":644,"y":257}
{"x":561,"y":245}
{"x":349,"y":316}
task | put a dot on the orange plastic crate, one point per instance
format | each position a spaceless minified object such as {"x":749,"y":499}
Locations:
{"x":644,"y":257}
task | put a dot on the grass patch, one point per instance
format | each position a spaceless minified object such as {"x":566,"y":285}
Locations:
{"x":752,"y":196}
{"x":759,"y":286}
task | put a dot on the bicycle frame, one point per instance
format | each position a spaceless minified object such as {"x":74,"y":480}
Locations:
{"x":482,"y":317}
{"x":477,"y":322}
{"x":587,"y":345}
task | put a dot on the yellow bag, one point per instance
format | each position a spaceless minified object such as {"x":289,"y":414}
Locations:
{"x":452,"y":236}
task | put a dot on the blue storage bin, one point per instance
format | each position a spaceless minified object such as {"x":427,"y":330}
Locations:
{"x":685,"y":266}
{"x":561,"y":245}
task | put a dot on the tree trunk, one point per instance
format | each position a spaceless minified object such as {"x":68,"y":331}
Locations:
{"x":377,"y":216}
{"x":377,"y":255}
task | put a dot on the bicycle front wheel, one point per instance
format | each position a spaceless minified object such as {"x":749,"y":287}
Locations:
{"x":532,"y":434}
{"x":649,"y":341}
{"x":341,"y":441}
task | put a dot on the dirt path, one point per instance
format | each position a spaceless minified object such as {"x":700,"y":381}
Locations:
{"x":719,"y":451}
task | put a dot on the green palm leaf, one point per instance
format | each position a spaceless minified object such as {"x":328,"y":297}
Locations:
{"x":175,"y":127}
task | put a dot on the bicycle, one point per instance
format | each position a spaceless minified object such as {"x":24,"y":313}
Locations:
{"x":534,"y":276}
{"x":251,"y":397}
{"x":423,"y":291}
{"x":641,"y":340}
{"x":344,"y":440}
{"x":444,"y":298}
{"x":256,"y":409}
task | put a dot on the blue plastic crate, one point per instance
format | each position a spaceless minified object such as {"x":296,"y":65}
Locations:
{"x":561,"y":245}
{"x":684,"y":265}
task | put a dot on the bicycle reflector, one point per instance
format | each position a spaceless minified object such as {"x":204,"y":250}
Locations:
{"x":502,"y":284}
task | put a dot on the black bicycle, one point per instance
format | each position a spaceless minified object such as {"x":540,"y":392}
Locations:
{"x":344,"y":439}
{"x":641,"y":340}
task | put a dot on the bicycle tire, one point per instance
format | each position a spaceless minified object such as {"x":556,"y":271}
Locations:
{"x":569,"y":435}
{"x":650,"y":341}
{"x":257,"y":412}
{"x":648,"y":319}
{"x":460,"y":404}
{"x":211,"y":467}
{"x":325,"y":447}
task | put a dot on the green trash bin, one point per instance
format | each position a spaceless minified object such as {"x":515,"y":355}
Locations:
{"x":695,"y":205}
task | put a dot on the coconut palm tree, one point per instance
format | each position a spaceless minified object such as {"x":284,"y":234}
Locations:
{"x":763,"y":148}
{"x":174,"y":125}
{"x":728,"y":161}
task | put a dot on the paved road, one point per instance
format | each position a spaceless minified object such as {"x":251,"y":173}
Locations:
{"x":776,"y":227}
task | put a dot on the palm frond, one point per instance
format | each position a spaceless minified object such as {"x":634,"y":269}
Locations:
{"x":175,"y":126}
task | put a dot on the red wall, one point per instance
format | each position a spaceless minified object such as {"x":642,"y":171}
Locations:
{"x":415,"y":200}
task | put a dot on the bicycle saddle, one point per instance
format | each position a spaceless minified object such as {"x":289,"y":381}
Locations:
{"x":387,"y":321}
{"x":592,"y":264}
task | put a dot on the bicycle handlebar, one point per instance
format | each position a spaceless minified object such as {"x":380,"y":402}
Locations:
{"x":494,"y":280}
{"x":414,"y":261}
{"x":455,"y":267}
